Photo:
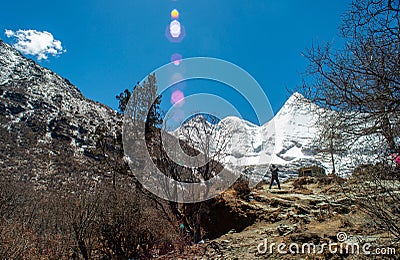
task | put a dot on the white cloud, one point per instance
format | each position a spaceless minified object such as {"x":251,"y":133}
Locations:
{"x":9,"y":33}
{"x":36,"y":43}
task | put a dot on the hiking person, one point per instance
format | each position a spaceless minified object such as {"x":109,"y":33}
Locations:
{"x":274,"y":175}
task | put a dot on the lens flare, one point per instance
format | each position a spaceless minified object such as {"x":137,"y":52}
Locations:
{"x":177,"y":98}
{"x":175,"y":28}
{"x":175,"y":31}
{"x":178,"y":115}
{"x":174,"y":14}
{"x":175,"y":78}
{"x":134,"y":141}
{"x":176,"y":58}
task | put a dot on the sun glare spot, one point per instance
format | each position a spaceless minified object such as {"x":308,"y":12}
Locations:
{"x":175,"y":78}
{"x":175,"y":32}
{"x":175,"y":28}
{"x":177,"y":98}
{"x":174,"y":14}
{"x":176,"y":59}
{"x":178,"y":115}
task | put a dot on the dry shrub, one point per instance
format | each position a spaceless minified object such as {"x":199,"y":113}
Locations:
{"x":329,"y":180}
{"x":26,"y":231}
{"x":301,"y":181}
{"x":130,"y":225}
{"x":375,"y":190}
{"x":241,"y":187}
{"x":107,"y":222}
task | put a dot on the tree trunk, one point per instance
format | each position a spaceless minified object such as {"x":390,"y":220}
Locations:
{"x":83,"y":249}
{"x":332,"y":155}
{"x":196,"y":232}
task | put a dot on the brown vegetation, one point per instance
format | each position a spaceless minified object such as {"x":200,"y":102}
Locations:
{"x":113,"y":222}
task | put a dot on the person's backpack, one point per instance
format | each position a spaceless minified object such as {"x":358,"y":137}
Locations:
{"x":274,"y":171}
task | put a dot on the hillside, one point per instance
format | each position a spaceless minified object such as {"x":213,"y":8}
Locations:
{"x":46,"y":125}
{"x":306,"y":211}
{"x":66,"y":191}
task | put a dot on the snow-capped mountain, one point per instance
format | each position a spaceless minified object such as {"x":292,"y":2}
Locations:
{"x":26,"y":86}
{"x":44,"y":118}
{"x":45,"y":122}
{"x":286,"y":140}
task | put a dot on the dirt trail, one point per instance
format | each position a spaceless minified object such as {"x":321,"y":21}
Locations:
{"x":305,"y":210}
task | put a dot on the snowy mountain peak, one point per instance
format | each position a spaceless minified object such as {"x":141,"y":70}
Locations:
{"x":233,"y":120}
{"x":296,"y":96}
{"x":285,"y":140}
{"x":296,"y":101}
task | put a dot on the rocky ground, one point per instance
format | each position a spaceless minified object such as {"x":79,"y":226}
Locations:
{"x":305,"y":210}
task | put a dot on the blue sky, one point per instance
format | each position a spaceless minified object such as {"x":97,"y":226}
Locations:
{"x":110,"y":45}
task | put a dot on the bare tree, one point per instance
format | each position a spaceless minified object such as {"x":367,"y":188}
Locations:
{"x":330,"y":139}
{"x":362,"y":80}
{"x":359,"y":88}
{"x":108,"y":149}
{"x":204,"y":133}
{"x":375,"y":188}
{"x":80,"y":211}
{"x":210,"y":138}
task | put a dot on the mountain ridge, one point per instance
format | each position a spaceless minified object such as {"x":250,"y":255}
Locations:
{"x":287,"y":139}
{"x":51,"y":108}
{"x":46,"y":120}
